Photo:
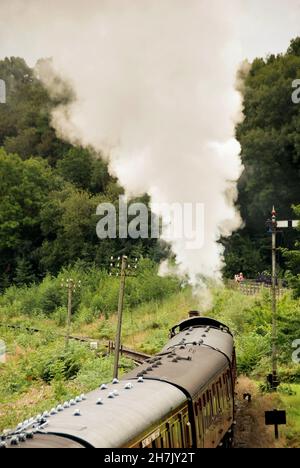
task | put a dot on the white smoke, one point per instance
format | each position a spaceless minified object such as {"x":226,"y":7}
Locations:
{"x":155,"y":87}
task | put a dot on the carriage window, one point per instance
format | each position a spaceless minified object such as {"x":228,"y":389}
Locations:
{"x":168,"y":436}
{"x":208,"y":412}
{"x":218,"y":398}
{"x":199,"y":422}
{"x":164,"y":439}
{"x":229,"y":385}
{"x":176,"y":435}
{"x":185,"y":425}
{"x":200,"y":404}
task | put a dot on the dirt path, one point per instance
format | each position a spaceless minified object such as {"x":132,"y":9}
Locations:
{"x":251,"y":431}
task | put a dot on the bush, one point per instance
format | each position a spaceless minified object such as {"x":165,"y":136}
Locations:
{"x":63,"y":365}
{"x":85,"y":315}
{"x":60,"y":316}
{"x":98,"y":296}
{"x":251,"y":349}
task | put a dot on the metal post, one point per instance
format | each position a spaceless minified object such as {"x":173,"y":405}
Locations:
{"x":120,"y":315}
{"x":274,"y":304}
{"x":69,"y":317}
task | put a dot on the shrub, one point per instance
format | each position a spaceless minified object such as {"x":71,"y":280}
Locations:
{"x":63,"y":365}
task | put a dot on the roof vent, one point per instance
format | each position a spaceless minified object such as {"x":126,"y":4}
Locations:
{"x":15,"y":441}
{"x":128,"y":386}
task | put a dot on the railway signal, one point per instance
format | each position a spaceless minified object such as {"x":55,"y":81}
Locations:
{"x":71,"y":286}
{"x":121,"y":267}
{"x":273,"y":224}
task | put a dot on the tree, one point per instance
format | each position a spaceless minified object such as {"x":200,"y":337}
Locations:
{"x":49,"y":190}
{"x":25,"y":126}
{"x":293,"y":259}
{"x":85,"y":169}
{"x":270,"y":141}
{"x":24,"y":188}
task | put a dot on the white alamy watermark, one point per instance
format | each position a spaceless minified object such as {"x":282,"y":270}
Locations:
{"x":296,"y":93}
{"x":2,"y":352}
{"x":296,"y":354}
{"x":180,"y":222}
{"x":2,"y":92}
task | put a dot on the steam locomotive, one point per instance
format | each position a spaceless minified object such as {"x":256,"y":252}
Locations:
{"x":181,"y":398}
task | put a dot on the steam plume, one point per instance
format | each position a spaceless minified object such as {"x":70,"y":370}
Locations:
{"x":155,"y":87}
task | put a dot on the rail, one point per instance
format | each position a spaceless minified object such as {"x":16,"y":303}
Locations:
{"x":136,"y":356}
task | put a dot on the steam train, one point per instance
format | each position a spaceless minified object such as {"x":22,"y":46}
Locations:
{"x":181,"y":398}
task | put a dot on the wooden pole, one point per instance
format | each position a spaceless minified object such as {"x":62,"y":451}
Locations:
{"x":274,"y":302}
{"x":120,"y":316}
{"x":69,"y":317}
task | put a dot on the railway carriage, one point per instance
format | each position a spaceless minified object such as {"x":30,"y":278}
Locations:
{"x":181,"y":398}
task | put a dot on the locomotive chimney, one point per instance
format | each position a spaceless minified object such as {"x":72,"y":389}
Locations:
{"x":194,"y":313}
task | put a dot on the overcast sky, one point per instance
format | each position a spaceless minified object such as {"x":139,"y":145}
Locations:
{"x":142,"y":71}
{"x":263,"y":26}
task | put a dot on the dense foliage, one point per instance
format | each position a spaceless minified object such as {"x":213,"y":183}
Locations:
{"x":249,"y":317}
{"x":49,"y":190}
{"x":270,"y":141}
{"x":293,"y":261}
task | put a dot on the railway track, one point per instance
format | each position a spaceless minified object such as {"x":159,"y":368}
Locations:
{"x":136,"y":356}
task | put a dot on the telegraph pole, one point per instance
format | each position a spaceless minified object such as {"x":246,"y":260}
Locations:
{"x":120,"y":316}
{"x":274,"y":302}
{"x":71,"y":287}
{"x":121,"y":267}
{"x":273,"y":226}
{"x":69,"y":316}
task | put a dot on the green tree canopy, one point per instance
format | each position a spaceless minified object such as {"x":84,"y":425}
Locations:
{"x":25,"y":126}
{"x":270,"y":141}
{"x":24,"y":188}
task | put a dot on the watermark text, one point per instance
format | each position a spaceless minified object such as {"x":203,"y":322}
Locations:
{"x":2,"y":352}
{"x":296,"y":354}
{"x":2,"y":92}
{"x":296,"y":93}
{"x":170,"y":222}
